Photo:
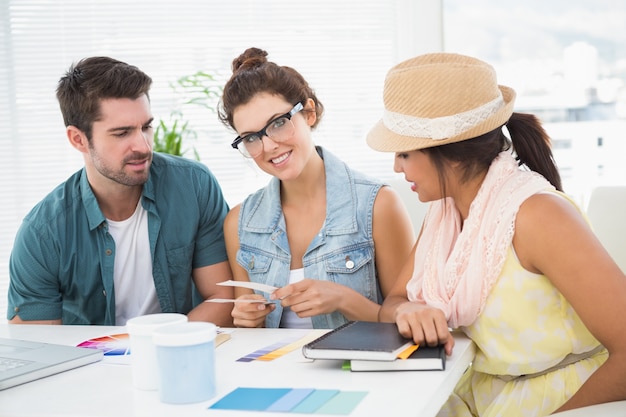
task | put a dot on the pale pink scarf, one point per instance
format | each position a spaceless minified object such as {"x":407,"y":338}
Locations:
{"x":455,"y":269}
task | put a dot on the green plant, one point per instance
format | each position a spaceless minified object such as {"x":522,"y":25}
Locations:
{"x":201,"y":89}
{"x":198,"y":89}
{"x":168,"y":137}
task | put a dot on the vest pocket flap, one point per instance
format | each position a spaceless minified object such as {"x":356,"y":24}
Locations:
{"x":254,"y":263}
{"x":348,"y":262}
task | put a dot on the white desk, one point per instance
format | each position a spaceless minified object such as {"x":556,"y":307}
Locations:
{"x":105,"y":388}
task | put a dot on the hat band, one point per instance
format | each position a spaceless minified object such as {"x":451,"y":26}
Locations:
{"x":440,"y":128}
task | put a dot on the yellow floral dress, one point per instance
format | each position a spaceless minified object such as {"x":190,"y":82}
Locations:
{"x":526,"y":327}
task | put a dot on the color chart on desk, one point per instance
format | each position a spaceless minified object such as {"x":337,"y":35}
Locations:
{"x":278,"y":349}
{"x":291,"y":400}
{"x":112,"y":345}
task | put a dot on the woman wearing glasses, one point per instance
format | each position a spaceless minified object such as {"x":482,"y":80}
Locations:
{"x":329,"y":238}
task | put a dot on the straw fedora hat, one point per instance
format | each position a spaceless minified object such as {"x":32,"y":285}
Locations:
{"x":439,"y":98}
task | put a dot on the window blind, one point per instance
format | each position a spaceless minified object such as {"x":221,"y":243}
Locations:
{"x":343,"y":48}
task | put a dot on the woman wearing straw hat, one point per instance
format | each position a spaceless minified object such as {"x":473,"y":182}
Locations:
{"x":332,"y":239}
{"x":503,"y":255}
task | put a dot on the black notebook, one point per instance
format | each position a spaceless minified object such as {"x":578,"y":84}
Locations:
{"x":363,"y":340}
{"x":425,"y":358}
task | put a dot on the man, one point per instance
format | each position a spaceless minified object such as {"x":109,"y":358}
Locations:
{"x":127,"y":234}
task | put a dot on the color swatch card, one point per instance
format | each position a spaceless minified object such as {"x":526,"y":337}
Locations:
{"x":116,"y":347}
{"x":278,"y":349}
{"x":291,"y":400}
{"x":112,"y":345}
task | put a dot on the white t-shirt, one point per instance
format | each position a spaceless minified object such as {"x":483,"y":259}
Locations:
{"x":289,"y":319}
{"x":135,"y":294}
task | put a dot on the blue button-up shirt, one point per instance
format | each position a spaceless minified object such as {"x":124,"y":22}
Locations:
{"x":61,"y":266}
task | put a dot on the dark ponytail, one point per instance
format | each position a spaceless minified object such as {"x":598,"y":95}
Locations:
{"x":532,"y":146}
{"x":528,"y":139}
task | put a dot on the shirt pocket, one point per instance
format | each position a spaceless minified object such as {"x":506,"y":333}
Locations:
{"x":179,"y":261}
{"x":355,"y":269}
{"x":254,"y":263}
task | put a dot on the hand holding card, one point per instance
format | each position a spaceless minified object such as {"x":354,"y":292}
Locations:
{"x":238,"y":300}
{"x":244,"y":315}
{"x":251,"y":285}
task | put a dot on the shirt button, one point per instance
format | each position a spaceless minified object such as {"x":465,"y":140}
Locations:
{"x":108,"y":252}
{"x":349,"y":263}
{"x":104,"y":293}
{"x":16,"y":309}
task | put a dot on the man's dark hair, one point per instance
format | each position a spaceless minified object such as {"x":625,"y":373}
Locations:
{"x":93,"y":79}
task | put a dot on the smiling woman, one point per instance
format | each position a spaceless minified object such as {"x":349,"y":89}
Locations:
{"x":328,"y":237}
{"x":278,"y":129}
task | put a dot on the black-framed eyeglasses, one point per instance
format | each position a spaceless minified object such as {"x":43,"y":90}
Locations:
{"x":278,"y":129}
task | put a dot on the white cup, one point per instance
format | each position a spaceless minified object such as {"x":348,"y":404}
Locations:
{"x":186,"y":361}
{"x":142,"y":349}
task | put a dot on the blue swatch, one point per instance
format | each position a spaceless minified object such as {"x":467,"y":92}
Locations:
{"x":314,"y":401}
{"x":343,"y":403}
{"x":257,"y":399}
{"x":291,"y":399}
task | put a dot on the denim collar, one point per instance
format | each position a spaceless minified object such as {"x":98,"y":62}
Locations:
{"x":340,"y":198}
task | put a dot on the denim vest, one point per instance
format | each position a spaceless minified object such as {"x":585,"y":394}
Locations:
{"x":342,"y":251}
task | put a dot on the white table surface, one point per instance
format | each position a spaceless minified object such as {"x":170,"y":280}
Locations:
{"x":105,"y":388}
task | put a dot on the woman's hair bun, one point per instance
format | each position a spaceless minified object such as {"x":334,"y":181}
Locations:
{"x":250,"y":58}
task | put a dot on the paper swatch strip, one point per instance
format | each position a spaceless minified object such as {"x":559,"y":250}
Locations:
{"x":291,"y":400}
{"x":251,"y":285}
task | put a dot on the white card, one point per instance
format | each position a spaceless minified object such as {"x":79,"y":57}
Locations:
{"x":232,"y":300}
{"x":252,"y":285}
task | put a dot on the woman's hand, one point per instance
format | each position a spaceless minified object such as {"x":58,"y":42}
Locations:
{"x":250,"y":314}
{"x":310,"y":297}
{"x":424,"y":324}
